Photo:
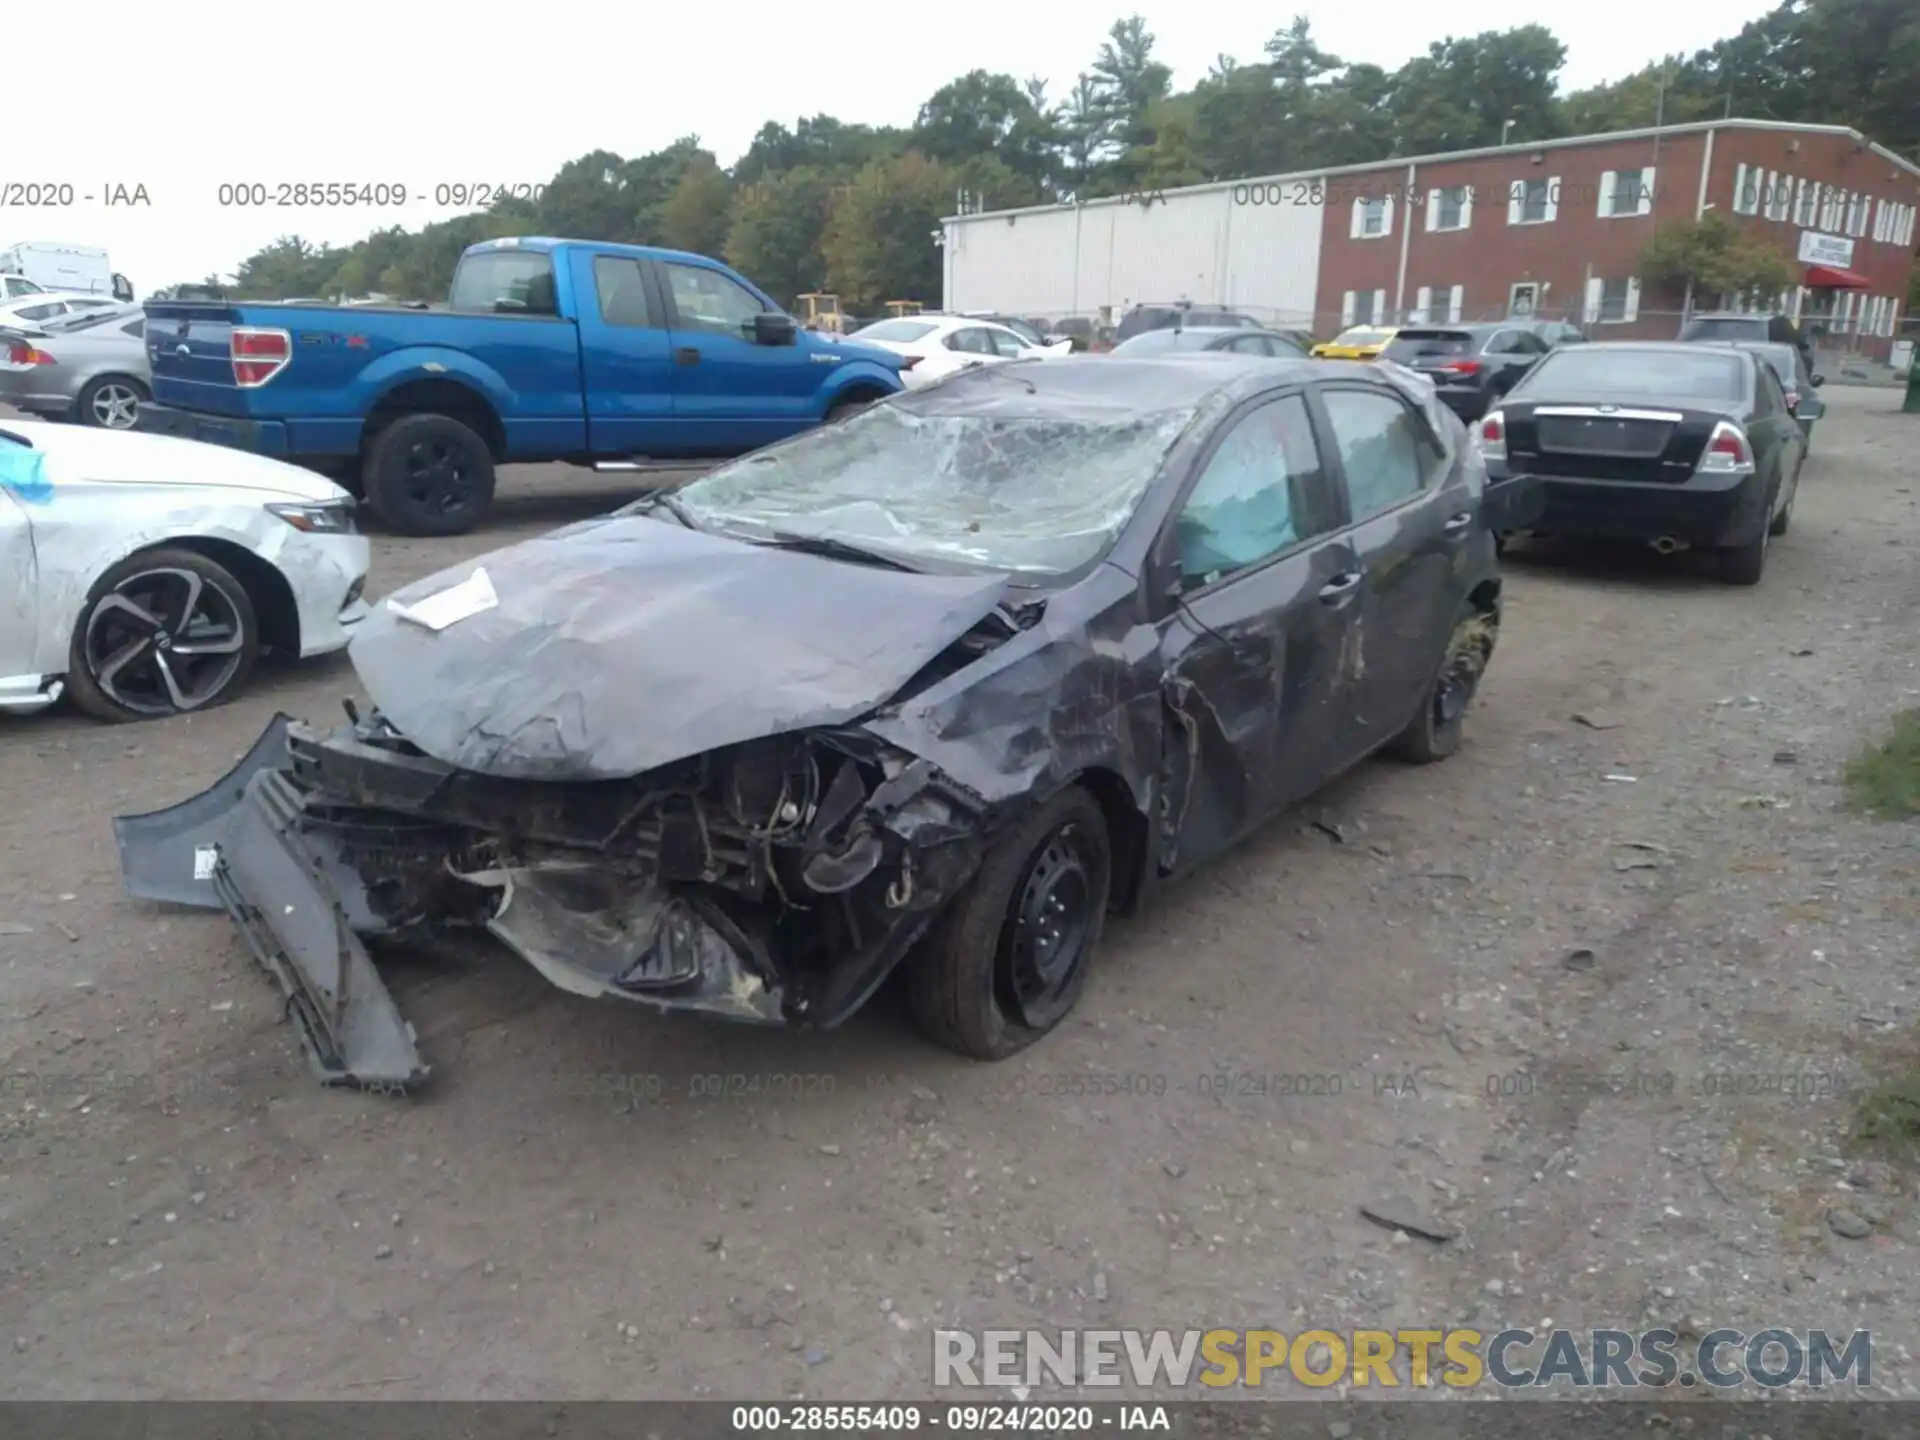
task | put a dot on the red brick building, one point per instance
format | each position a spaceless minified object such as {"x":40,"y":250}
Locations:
{"x":1557,"y":227}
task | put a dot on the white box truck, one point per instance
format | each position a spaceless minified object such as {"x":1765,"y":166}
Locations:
{"x":57,"y":265}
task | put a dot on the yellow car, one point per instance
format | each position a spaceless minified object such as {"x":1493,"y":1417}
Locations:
{"x":1362,"y":342}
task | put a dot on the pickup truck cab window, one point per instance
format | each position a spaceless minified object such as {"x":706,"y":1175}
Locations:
{"x":708,"y":300}
{"x":505,"y":282}
{"x":622,"y":288}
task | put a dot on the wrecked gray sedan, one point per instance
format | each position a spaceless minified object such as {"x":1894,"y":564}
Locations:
{"x":935,"y":689}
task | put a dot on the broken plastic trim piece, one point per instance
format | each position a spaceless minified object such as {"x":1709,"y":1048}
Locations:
{"x":168,"y":854}
{"x":279,"y":895}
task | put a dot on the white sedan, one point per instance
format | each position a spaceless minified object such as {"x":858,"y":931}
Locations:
{"x":936,"y":346}
{"x":143,"y":575}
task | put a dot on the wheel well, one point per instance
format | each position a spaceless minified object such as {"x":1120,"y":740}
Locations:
{"x":439,"y":397}
{"x":133,"y":380}
{"x":1485,"y":598}
{"x":267,"y":588}
{"x":1126,"y":834}
{"x":861,"y":392}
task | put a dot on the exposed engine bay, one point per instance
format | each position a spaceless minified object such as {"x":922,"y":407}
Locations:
{"x":774,"y":881}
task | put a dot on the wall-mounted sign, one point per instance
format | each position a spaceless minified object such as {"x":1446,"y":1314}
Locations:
{"x":1835,"y":251}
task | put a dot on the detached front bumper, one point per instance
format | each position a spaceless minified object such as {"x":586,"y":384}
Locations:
{"x":316,"y":843}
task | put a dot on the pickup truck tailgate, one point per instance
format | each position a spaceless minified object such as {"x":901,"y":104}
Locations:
{"x":189,"y":351}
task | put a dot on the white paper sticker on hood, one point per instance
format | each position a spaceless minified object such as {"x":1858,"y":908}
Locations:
{"x":455,"y":603}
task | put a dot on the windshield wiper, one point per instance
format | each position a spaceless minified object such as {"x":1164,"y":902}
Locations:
{"x":666,"y":500}
{"x":834,"y":550}
{"x":1001,"y":371}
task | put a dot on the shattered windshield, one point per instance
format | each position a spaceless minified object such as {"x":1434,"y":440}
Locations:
{"x":1042,"y":494}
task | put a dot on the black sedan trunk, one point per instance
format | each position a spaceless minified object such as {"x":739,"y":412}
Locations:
{"x":1608,"y":442}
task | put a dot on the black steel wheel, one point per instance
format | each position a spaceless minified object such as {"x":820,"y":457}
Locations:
{"x":1008,"y":960}
{"x":428,"y":475}
{"x":1436,"y":731}
{"x":164,"y":632}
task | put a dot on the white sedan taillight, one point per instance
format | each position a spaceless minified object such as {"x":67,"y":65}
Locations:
{"x":1727,"y":451}
{"x":258,"y":355}
{"x":1490,"y":436}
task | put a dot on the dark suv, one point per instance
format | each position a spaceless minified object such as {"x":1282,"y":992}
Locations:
{"x":1471,"y":366}
{"x":1165,"y":317}
{"x":1747,"y":329}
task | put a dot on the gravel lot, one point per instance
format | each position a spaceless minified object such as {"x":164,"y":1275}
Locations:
{"x":185,"y":1213}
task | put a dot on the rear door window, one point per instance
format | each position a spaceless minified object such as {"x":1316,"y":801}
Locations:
{"x":622,"y":288}
{"x":1006,"y":344}
{"x":1384,"y":450}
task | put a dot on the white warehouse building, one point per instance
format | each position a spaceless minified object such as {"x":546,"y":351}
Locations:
{"x":1210,"y":244}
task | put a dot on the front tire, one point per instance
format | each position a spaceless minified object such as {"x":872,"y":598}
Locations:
{"x":1436,"y":731}
{"x":111,"y":402}
{"x":164,"y":632}
{"x":1009,"y":959}
{"x":428,"y":475}
{"x":847,"y":409}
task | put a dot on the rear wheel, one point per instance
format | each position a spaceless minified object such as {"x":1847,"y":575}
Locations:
{"x":428,"y":475}
{"x":164,"y":632}
{"x":1008,"y":960}
{"x":1437,"y":730}
{"x":1743,"y":564}
{"x":111,"y":402}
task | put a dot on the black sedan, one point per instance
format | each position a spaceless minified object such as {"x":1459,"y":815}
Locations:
{"x":1679,"y":445}
{"x":1471,"y":366}
{"x":936,"y":688}
{"x":1197,"y":339}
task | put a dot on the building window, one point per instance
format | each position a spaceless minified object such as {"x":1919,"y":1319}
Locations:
{"x":1746,"y":190}
{"x":1626,"y":192}
{"x":1612,"y":302}
{"x":1363,"y":307}
{"x":1783,"y":192}
{"x":1533,"y":202}
{"x":1372,"y":217}
{"x":1450,"y":210}
{"x":1438,"y":305}
{"x":1802,"y":196}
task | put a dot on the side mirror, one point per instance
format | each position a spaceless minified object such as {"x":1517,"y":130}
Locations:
{"x":772,"y":328}
{"x":122,"y":288}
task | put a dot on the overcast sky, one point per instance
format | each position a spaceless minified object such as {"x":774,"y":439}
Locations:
{"x":182,"y":97}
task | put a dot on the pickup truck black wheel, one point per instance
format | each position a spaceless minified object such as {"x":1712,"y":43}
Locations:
{"x":428,"y":475}
{"x":164,"y":632}
{"x":1436,"y":731}
{"x":1009,"y":958}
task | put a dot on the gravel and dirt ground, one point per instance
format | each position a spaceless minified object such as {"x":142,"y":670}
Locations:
{"x":1608,"y":1031}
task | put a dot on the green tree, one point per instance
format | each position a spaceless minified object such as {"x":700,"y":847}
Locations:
{"x":879,"y":243}
{"x":1462,"y":92}
{"x":1716,"y":257}
{"x":695,"y":215}
{"x":1085,"y":132}
{"x":591,"y":198}
{"x":775,"y":234}
{"x":988,"y":114}
{"x":817,"y":143}
{"x":1127,"y":85}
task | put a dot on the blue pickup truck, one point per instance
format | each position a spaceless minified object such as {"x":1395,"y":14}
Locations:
{"x":547,"y":350}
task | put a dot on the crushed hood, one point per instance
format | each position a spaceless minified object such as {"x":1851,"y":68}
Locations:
{"x":624,"y":644}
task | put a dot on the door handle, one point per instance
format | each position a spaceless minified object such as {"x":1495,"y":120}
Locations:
{"x":1458,"y":523}
{"x":686,"y":355}
{"x":1340,"y":586}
